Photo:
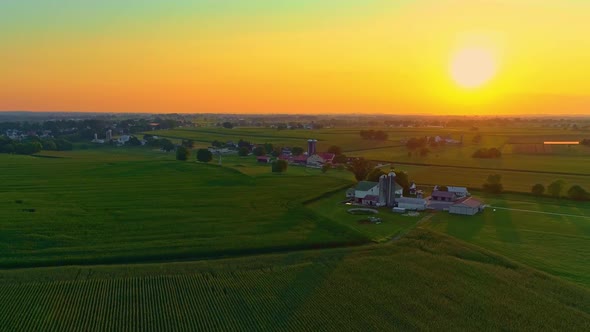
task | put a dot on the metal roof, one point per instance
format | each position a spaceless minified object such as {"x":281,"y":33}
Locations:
{"x":365,"y":185}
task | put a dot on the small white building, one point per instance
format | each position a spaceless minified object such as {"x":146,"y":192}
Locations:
{"x":466,"y":206}
{"x":410,"y":203}
{"x":124,"y":139}
{"x":459,"y":191}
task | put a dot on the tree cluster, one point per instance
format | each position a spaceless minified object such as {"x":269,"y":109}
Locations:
{"x":493,"y":184}
{"x":556,"y":188}
{"x":417,"y":143}
{"x":204,"y":155}
{"x":162,"y":143}
{"x":279,"y":166}
{"x":364,"y":170}
{"x":377,"y":135}
{"x":491,"y":153}
{"x":33,"y":145}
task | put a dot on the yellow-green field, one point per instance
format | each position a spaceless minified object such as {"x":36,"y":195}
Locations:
{"x":423,"y":282}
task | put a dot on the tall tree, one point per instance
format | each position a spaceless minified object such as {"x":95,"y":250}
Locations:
{"x":204,"y":155}
{"x":554,"y":189}
{"x":494,"y":184}
{"x":335,"y":150}
{"x":360,"y":168}
{"x":578,"y":193}
{"x":182,"y":153}
{"x":279,"y":166}
{"x":538,"y":189}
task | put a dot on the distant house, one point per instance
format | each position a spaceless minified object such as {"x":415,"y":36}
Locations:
{"x":443,"y":196}
{"x":459,"y":191}
{"x":263,"y":159}
{"x":466,"y":206}
{"x":299,"y":160}
{"x":123,"y":139}
{"x":410,"y":203}
{"x":321,"y":158}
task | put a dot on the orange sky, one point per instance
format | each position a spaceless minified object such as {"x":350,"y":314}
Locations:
{"x":257,"y":56}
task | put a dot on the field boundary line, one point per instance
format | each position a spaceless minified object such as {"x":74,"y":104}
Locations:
{"x":540,"y":212}
{"x":480,"y":168}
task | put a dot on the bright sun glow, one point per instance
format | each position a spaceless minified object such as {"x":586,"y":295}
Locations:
{"x":472,"y":67}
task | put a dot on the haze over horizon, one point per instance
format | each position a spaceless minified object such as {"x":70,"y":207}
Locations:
{"x":262,"y":56}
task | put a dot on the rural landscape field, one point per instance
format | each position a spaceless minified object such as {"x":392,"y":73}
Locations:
{"x":294,"y":165}
{"x":130,"y":238}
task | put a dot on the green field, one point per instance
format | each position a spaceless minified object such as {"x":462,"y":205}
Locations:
{"x":424,"y":281}
{"x":98,"y":208}
{"x":191,"y":246}
{"x":557,"y":244}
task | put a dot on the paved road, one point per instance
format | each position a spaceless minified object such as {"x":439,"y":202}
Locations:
{"x":540,"y":212}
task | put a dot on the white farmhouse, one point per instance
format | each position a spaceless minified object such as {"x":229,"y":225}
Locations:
{"x":459,"y":191}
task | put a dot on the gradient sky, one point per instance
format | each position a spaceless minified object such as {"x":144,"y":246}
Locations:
{"x":292,"y":56}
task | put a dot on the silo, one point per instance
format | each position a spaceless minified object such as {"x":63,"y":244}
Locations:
{"x":309,"y":147}
{"x":383,"y":190}
{"x":315,"y":142}
{"x":391,"y":189}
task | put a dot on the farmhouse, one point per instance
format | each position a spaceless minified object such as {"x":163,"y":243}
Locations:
{"x":365,"y":188}
{"x":409,"y":203}
{"x":459,"y":191}
{"x":467,"y":206}
{"x":382,"y":193}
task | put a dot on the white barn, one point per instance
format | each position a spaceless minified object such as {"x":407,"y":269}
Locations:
{"x":466,"y":206}
{"x":409,"y":203}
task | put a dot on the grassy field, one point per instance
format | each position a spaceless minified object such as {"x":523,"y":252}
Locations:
{"x":536,"y":236}
{"x":111,"y":206}
{"x":425,"y":281}
{"x":125,"y":207}
{"x":392,"y":224}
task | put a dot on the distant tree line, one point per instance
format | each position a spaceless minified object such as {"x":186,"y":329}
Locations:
{"x":377,"y":135}
{"x":491,"y":153}
{"x":555,"y":189}
{"x":33,"y":145}
{"x":84,"y":130}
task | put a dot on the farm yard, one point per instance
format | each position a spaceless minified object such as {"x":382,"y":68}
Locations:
{"x":122,"y":238}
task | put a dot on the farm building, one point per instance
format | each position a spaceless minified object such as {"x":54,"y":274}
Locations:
{"x":321,"y":158}
{"x":409,"y":203}
{"x":364,"y":188}
{"x":466,"y":206}
{"x":263,"y":159}
{"x":382,"y":193}
{"x":459,"y":191}
{"x":371,"y":200}
{"x":443,"y":196}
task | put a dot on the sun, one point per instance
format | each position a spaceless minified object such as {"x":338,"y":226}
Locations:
{"x":472,"y":67}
